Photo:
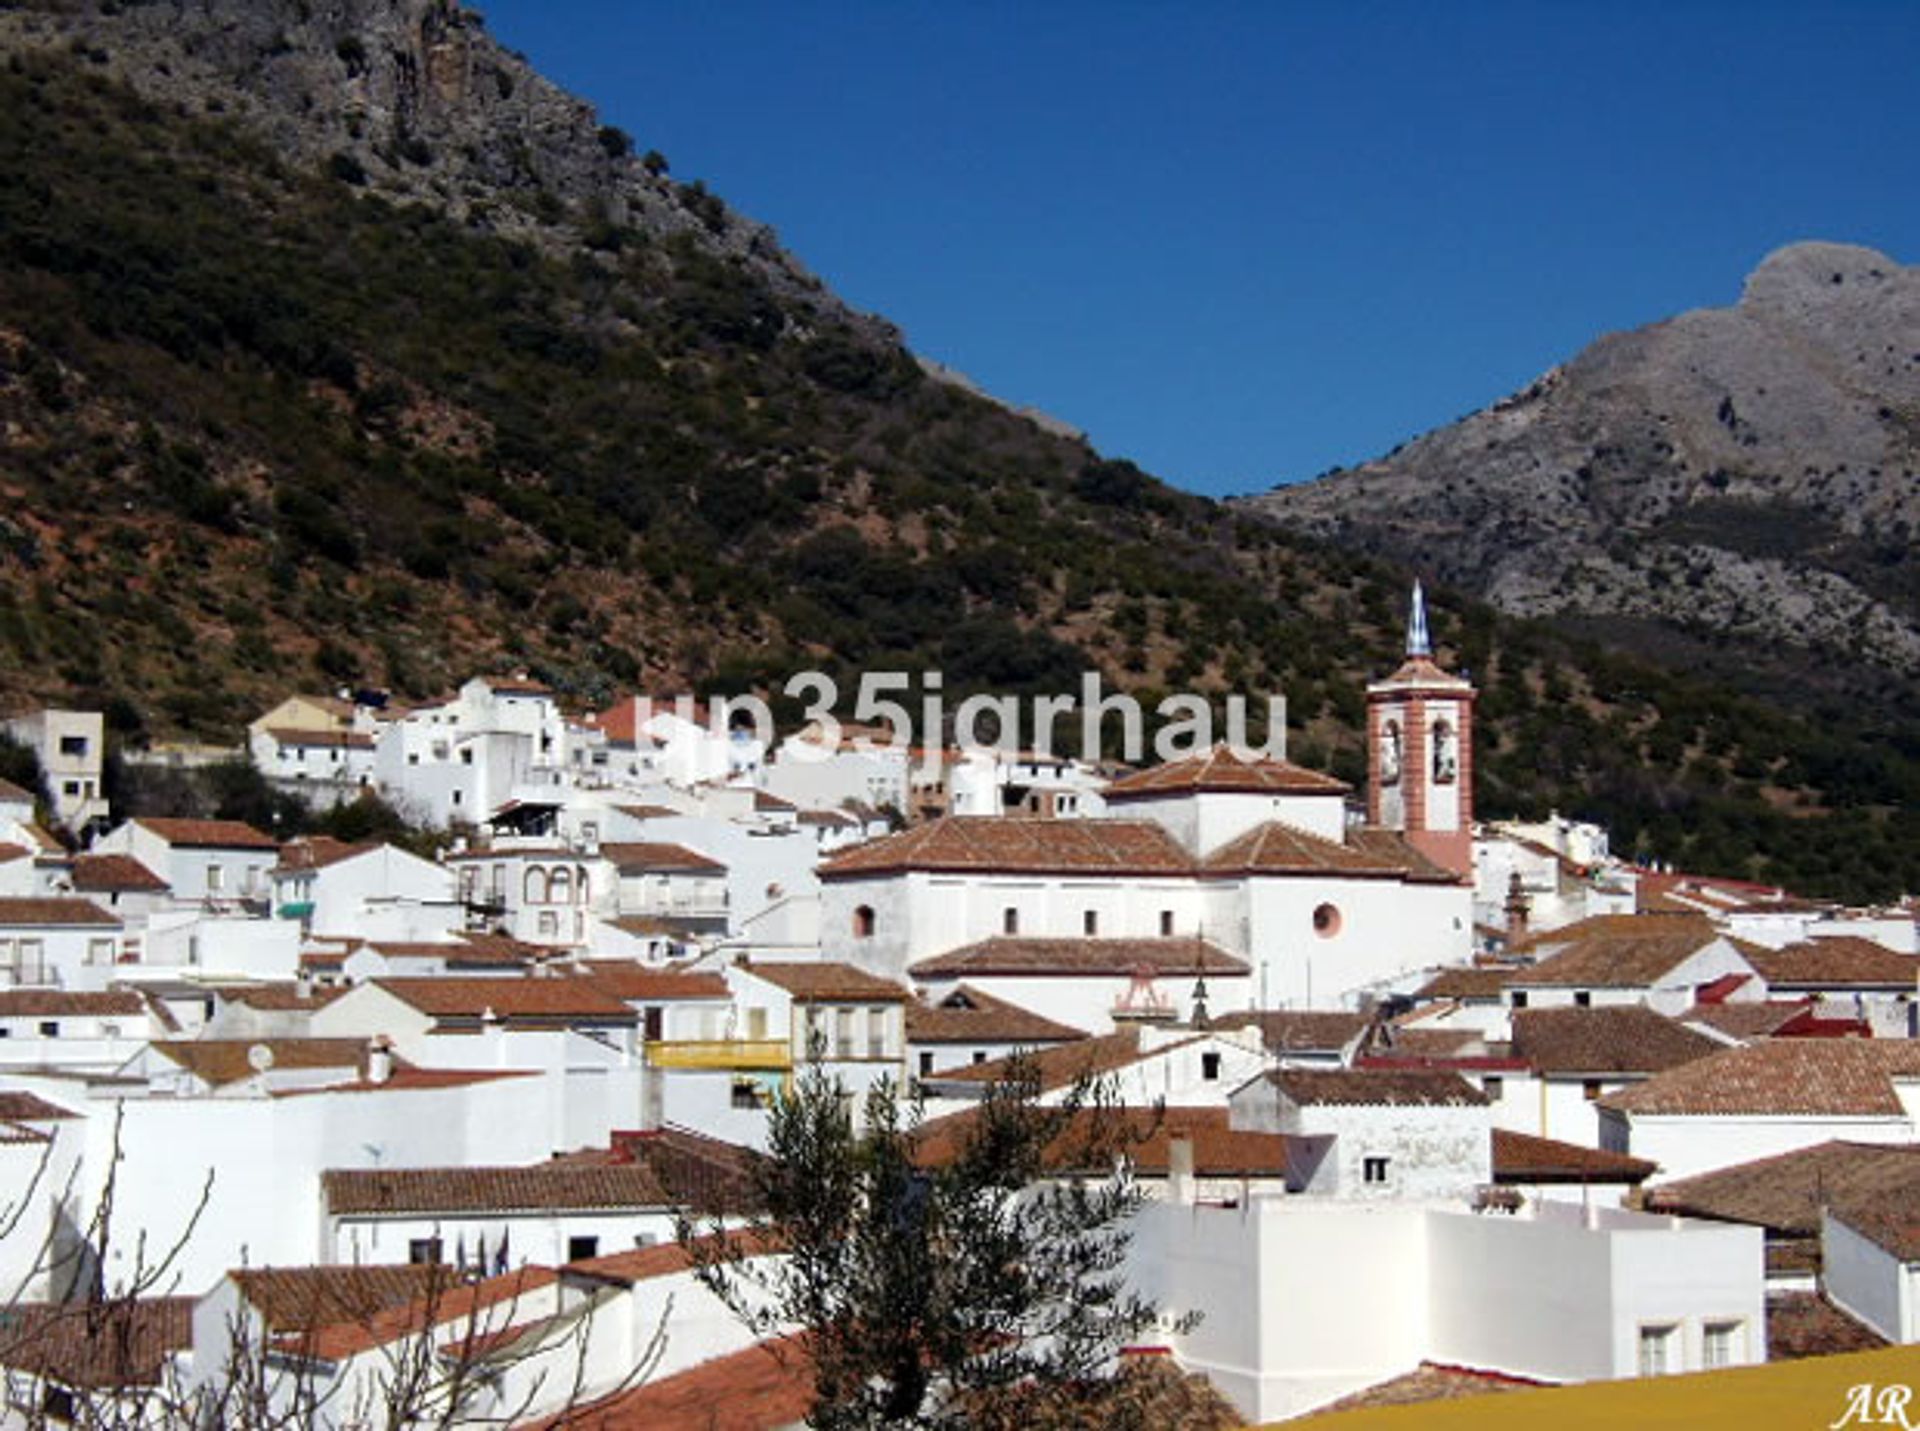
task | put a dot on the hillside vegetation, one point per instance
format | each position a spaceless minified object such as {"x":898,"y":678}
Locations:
{"x":267,"y":424}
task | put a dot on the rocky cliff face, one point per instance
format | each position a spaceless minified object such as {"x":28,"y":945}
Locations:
{"x":417,"y":101}
{"x":1751,"y":471}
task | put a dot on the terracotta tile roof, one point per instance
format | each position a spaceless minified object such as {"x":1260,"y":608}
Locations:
{"x":1793,"y":1076}
{"x":539,"y":1188}
{"x":1841,"y":962}
{"x":46,"y":842}
{"x":1376,"y":1088}
{"x":1887,"y":1217}
{"x":316,"y":852}
{"x":1012,"y":954}
{"x":9,"y":852}
{"x":1060,"y":1066}
{"x":73,"y":1003}
{"x":407,"y":1079}
{"x":278,"y":998}
{"x":1613,"y":951}
{"x":829,"y":983}
{"x":1428,"y":1382}
{"x":1784,"y":1193}
{"x":1277,"y":848}
{"x":1220,"y":770}
{"x":760,"y":1389}
{"x":508,"y":998}
{"x":1403,"y":1041}
{"x":1523,"y":1158}
{"x":1300,"y":1030}
{"x":115,"y":874}
{"x":709,"y":1175}
{"x":657,"y":856}
{"x":99,"y":1345}
{"x":1391,"y":847}
{"x":665,"y":1259}
{"x":648,"y":812}
{"x":329,"y":739}
{"x":1746,"y":1021}
{"x":13,"y":794}
{"x":226,"y":1060}
{"x":968,"y":1015}
{"x":1626,"y":1039}
{"x":298,"y":1299}
{"x":19,"y":1107}
{"x":1477,"y":982}
{"x":1146,"y":1136}
{"x":640,"y":983}
{"x":981,"y":843}
{"x":1802,"y":1324}
{"x":29,"y":912}
{"x":837,"y":819}
{"x":208,"y":834}
{"x":767,"y":801}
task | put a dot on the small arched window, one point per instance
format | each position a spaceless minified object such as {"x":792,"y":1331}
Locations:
{"x":863,"y":922}
{"x":533,"y":889}
{"x":1446,"y":760}
{"x":560,"y":887}
{"x":1390,"y":753}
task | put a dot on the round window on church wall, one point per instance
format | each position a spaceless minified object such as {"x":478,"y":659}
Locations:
{"x":1326,"y":921}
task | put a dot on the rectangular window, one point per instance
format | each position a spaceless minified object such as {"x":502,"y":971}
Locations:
{"x":423,"y":1250}
{"x":1494,"y":1086}
{"x":1166,"y":924}
{"x":1519,"y":997}
{"x":579,"y":1249}
{"x":1210,"y":1067}
{"x":1591,"y":1089}
{"x":1582,"y":999}
{"x":843,"y":1032}
{"x":1009,"y":920}
{"x":1373,"y":1171}
{"x":926,"y":1062}
{"x":1656,"y":1349}
{"x":1090,"y":923}
{"x":756,"y":1025}
{"x":216,"y":879}
{"x":73,"y":745}
{"x":99,"y":951}
{"x":70,"y":787}
{"x":49,"y":1028}
{"x":876,"y":1033}
{"x":1719,"y":1341}
{"x":746,"y":1094}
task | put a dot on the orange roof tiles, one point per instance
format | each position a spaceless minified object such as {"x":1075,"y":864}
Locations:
{"x":830,"y":983}
{"x":19,"y":1107}
{"x":639,"y":983}
{"x":226,"y":1060}
{"x":316,"y":852}
{"x":1785,"y":1193}
{"x":208,"y":834}
{"x":1478,"y":982}
{"x":962,"y":843}
{"x":55,"y":912}
{"x":114,"y":874}
{"x":1277,"y":848}
{"x":1815,"y":1077}
{"x":1523,"y":1158}
{"x":72,"y":1003}
{"x":108,"y":1345}
{"x":1062,"y":1065}
{"x":1630,"y":1039}
{"x":1221,"y":770}
{"x":759,"y":1389}
{"x":1010,"y":954}
{"x":1840,"y":962}
{"x":509,"y":999}
{"x":970,"y":1016}
{"x":329,"y":739}
{"x":1614,"y":951}
{"x":1144,"y":1135}
{"x":1300,"y":1030}
{"x":658,"y":857}
{"x":540,"y":1187}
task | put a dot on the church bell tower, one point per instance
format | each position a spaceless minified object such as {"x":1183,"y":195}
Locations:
{"x":1420,"y":752}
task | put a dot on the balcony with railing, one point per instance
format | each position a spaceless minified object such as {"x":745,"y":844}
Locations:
{"x":720,"y":1053}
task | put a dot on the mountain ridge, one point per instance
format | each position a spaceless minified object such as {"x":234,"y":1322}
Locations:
{"x":1751,"y":471}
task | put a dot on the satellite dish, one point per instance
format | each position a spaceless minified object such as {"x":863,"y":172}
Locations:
{"x":260,"y":1058}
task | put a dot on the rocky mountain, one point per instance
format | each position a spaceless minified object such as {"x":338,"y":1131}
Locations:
{"x":1743,"y":477}
{"x":338,"y":347}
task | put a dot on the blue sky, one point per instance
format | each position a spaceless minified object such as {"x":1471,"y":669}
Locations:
{"x":1241,"y":243}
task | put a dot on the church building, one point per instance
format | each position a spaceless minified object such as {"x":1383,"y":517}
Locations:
{"x":1218,"y":860}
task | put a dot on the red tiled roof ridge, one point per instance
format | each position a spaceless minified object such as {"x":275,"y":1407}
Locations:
{"x":1120,"y":956}
{"x":207,"y":834}
{"x":1016,"y":842}
{"x":1221,"y":769}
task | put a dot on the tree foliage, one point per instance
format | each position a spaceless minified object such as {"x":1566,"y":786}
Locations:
{"x":940,"y":1276}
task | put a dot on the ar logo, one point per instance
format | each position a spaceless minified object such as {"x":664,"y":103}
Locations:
{"x":1887,"y":1407}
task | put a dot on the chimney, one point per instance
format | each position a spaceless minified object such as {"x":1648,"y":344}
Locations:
{"x":1179,"y":1166}
{"x":380,"y":1059}
{"x":1518,"y":907}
